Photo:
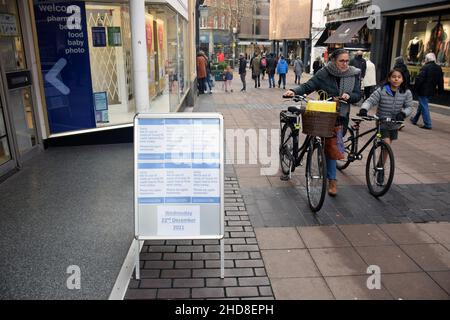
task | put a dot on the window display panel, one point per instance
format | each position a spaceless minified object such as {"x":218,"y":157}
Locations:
{"x":424,"y":35}
{"x":110,"y":62}
{"x":11,"y":48}
{"x":162,"y":51}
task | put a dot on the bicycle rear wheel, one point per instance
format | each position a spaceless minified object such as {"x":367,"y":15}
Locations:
{"x":287,"y":143}
{"x":380,"y":169}
{"x":349,"y":143}
{"x":315,"y":175}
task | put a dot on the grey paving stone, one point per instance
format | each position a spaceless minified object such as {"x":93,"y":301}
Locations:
{"x":140,"y":294}
{"x":226,"y":282}
{"x":155,"y":283}
{"x":242,"y":292}
{"x":188,"y":283}
{"x":254,"y":281}
{"x":173,"y":293}
{"x":208,"y":293}
{"x":176,"y":273}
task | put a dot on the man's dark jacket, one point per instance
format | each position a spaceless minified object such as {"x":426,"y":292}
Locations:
{"x":360,"y":63}
{"x":428,"y":79}
{"x":271,"y":65}
{"x":242,"y":65}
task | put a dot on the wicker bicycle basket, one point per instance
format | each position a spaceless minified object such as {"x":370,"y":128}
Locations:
{"x":320,"y":124}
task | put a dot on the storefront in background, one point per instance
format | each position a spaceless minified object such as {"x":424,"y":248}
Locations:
{"x":411,"y":29}
{"x":86,"y":62}
{"x":423,"y":34}
{"x":19,"y":137}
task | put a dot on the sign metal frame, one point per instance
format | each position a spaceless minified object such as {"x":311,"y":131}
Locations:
{"x":219,"y":236}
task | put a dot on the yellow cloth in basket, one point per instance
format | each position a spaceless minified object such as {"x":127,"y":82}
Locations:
{"x":321,"y":106}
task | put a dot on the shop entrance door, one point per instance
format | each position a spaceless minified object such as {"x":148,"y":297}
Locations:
{"x":18,"y":134}
{"x":7,"y":161}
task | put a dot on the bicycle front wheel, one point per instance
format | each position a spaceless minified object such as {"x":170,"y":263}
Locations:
{"x":380,"y":168}
{"x":349,"y":144}
{"x":315,"y":175}
{"x":287,"y":144}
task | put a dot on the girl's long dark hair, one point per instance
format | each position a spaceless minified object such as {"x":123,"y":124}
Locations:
{"x":402,"y":87}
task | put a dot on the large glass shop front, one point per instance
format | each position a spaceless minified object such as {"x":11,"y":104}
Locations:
{"x":423,"y":35}
{"x":86,"y":62}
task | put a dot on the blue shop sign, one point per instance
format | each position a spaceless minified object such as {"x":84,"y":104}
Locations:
{"x":65,"y":66}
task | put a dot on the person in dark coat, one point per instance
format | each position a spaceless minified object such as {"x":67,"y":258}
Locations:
{"x":271,"y":68}
{"x":429,"y":78}
{"x":340,"y":81}
{"x":400,"y":65}
{"x":317,"y":65}
{"x":242,"y":70}
{"x":359,"y":62}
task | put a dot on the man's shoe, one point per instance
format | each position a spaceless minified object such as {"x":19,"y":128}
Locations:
{"x":332,"y":188}
{"x":401,"y":127}
{"x":413,"y":122}
{"x":425,"y":127}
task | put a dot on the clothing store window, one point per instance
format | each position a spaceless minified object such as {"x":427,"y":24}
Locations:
{"x":423,"y":35}
{"x":166,"y":48}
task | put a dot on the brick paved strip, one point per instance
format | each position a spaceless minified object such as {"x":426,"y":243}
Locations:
{"x":190,"y":269}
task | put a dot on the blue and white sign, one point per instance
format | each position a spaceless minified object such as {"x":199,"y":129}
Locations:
{"x":179,"y":176}
{"x":98,"y":36}
{"x":64,"y":53}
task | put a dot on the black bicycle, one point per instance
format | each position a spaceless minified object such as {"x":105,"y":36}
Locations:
{"x":380,"y":164}
{"x":292,"y":153}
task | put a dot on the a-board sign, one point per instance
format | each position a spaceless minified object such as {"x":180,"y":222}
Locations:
{"x":179,"y":177}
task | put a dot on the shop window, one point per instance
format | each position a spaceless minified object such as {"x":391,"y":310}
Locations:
{"x":423,"y":35}
{"x":11,"y":47}
{"x":110,"y":62}
{"x":215,"y":23}
{"x":166,"y":64}
{"x":223,"y":22}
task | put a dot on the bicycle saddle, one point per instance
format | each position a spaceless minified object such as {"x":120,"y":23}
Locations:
{"x":295,"y":110}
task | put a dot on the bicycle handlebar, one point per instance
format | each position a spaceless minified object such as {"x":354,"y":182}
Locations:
{"x":297,"y":98}
{"x":381,"y":119}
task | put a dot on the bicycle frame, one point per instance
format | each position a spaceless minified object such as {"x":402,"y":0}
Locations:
{"x":298,"y":152}
{"x":376,"y":135}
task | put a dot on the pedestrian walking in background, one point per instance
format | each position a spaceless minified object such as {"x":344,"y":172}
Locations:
{"x":394,"y":101}
{"x":255,"y":65}
{"x":201,"y":72}
{"x":228,"y":79}
{"x":429,"y":78}
{"x":370,"y":80}
{"x":263,"y":65}
{"x":220,"y":57}
{"x":400,"y":65}
{"x":271,"y":69}
{"x":359,"y":62}
{"x":317,"y":65}
{"x":298,"y":69}
{"x":208,"y":81}
{"x":242,"y":70}
{"x":282,"y":70}
{"x":341,"y":81}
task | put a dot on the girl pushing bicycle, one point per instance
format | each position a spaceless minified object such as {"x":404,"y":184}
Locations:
{"x":394,"y":101}
{"x":340,"y":80}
